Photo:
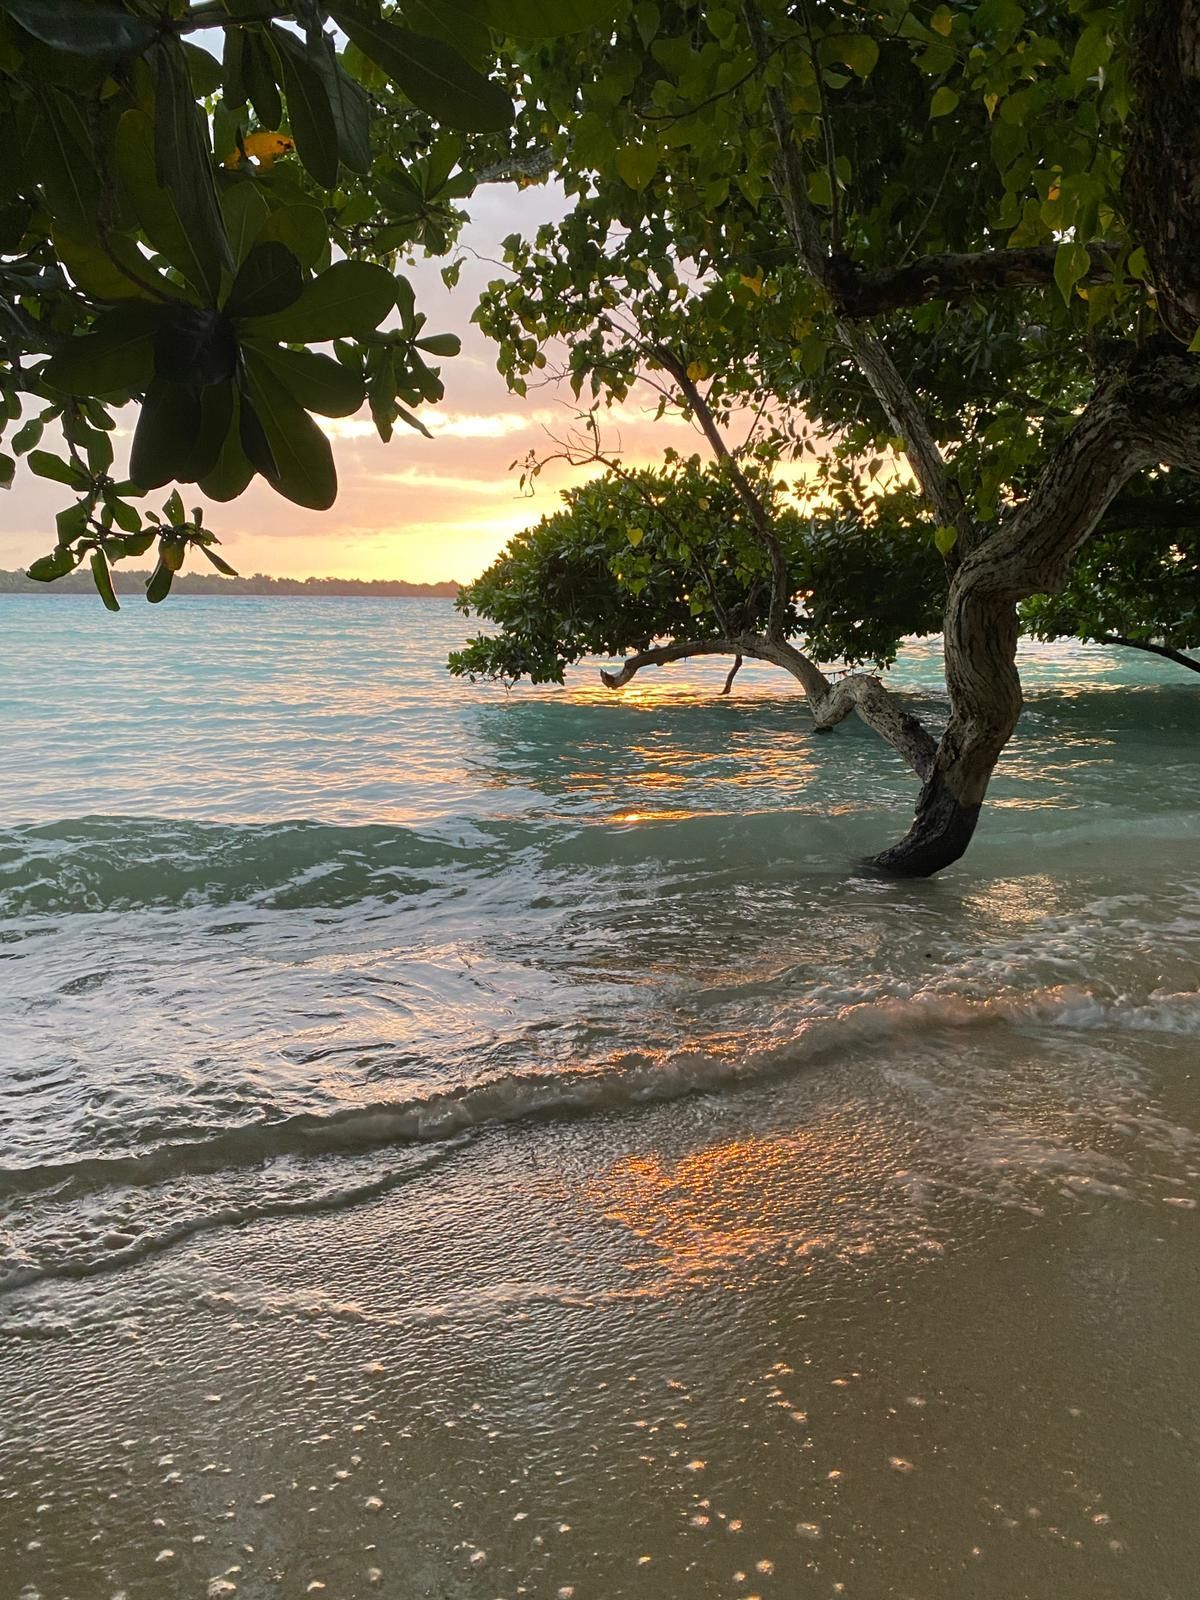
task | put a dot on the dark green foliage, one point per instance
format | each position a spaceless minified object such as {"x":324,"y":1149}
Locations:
{"x":141,"y":263}
{"x":1138,"y":578}
{"x":645,"y":557}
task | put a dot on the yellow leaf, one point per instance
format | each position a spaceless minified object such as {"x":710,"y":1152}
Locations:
{"x":991,"y":101}
{"x":942,"y":21}
{"x":635,"y":535}
{"x":697,"y":370}
{"x":265,"y":148}
{"x":755,"y":283}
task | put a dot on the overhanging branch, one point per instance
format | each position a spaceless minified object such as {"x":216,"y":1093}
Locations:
{"x":661,"y":654}
{"x":858,"y":294}
{"x":1164,"y":650}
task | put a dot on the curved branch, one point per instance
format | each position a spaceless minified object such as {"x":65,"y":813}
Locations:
{"x":1164,"y":650}
{"x":732,"y":674}
{"x":659,"y":655}
{"x":857,"y":692}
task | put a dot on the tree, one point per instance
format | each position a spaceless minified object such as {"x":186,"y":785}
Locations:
{"x":178,"y":231}
{"x":656,"y":566}
{"x":965,"y":237}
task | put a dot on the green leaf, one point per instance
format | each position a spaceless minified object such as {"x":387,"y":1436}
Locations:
{"x":233,"y":90}
{"x":304,"y":470}
{"x":311,"y":119}
{"x":64,"y":162}
{"x":348,"y":104}
{"x":432,"y":74}
{"x":129,"y":520}
{"x":8,"y":470}
{"x":1093,"y":51}
{"x":173,"y":508}
{"x":45,"y":465}
{"x":55,"y":565}
{"x":270,"y":279}
{"x":820,"y":189}
{"x":349,"y":297}
{"x":159,"y":585}
{"x":245,"y":212}
{"x":183,"y":162}
{"x":637,"y":164}
{"x":317,"y":382}
{"x":258,"y":71}
{"x":858,"y":51}
{"x":204,"y":71}
{"x":116,"y":270}
{"x":28,"y":435}
{"x":102,"y":578}
{"x":440,"y":344}
{"x":943,"y":102}
{"x":117,"y":355}
{"x":154,"y":207}
{"x":1071,"y":263}
{"x":218,"y":561}
{"x":232,"y":472}
{"x":72,"y":523}
{"x":171,"y":553}
{"x":99,"y":30}
{"x":165,"y":437}
{"x":945,"y":538}
{"x":302,"y":228}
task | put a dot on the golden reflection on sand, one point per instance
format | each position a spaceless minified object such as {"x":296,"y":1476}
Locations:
{"x":725,"y":1211}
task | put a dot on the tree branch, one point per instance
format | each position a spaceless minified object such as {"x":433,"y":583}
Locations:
{"x":1177,"y":656}
{"x":764,"y":525}
{"x":857,"y":692}
{"x":831,"y":703}
{"x":873,"y":358}
{"x":661,"y":654}
{"x":732,"y":674}
{"x":859,"y":294}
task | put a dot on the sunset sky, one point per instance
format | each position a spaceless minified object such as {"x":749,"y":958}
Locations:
{"x":425,"y":510}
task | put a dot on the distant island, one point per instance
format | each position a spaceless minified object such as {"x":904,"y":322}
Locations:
{"x":134,"y":581}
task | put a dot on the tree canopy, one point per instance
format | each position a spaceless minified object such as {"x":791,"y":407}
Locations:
{"x":944,"y":257}
{"x":957,"y":238}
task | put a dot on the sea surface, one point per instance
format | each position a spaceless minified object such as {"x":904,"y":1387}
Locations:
{"x":471,"y":1144}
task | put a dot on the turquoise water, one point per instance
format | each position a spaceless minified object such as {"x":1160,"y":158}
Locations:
{"x":357,"y":1018}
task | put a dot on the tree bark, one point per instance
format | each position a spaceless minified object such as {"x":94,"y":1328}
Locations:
{"x":1161,"y":187}
{"x":1143,"y":414}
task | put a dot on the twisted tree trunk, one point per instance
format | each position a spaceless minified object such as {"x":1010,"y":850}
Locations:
{"x":1145,"y":413}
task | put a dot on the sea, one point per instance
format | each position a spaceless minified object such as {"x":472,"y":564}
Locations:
{"x":475,"y":1143}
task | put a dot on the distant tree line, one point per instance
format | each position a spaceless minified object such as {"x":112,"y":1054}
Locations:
{"x":134,"y":583}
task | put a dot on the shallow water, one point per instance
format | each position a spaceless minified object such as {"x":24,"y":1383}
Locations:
{"x":507,"y":1132}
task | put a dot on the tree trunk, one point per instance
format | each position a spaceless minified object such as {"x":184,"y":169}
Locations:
{"x":985,"y":699}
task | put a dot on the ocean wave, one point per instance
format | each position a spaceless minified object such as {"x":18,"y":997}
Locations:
{"x":265,"y":1151}
{"x":99,"y":864}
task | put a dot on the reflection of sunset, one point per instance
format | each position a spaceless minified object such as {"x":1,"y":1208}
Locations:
{"x":715,"y":1212}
